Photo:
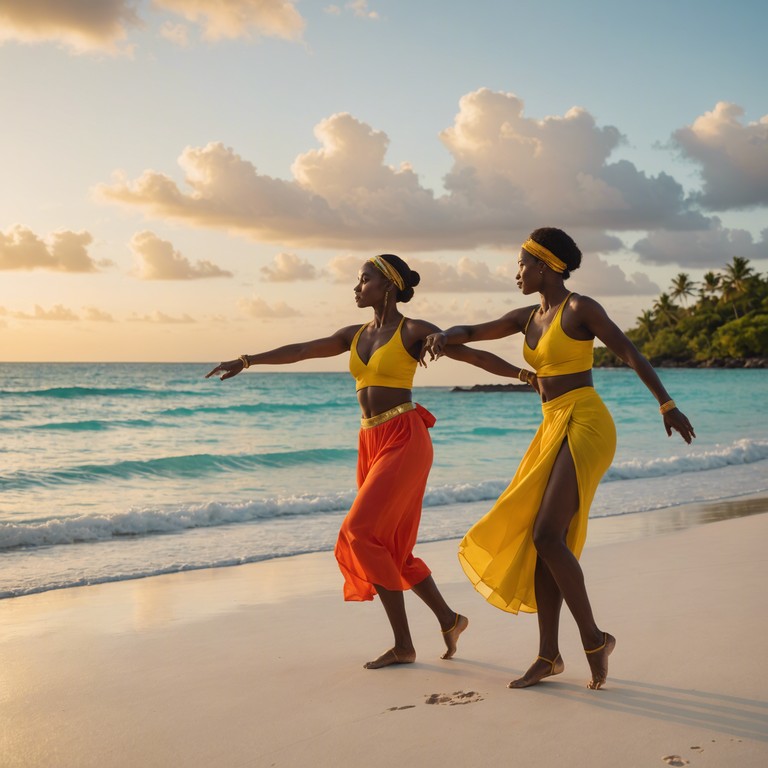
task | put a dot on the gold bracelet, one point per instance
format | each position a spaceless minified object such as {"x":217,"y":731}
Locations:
{"x":668,"y":406}
{"x":244,"y":360}
{"x":523,"y":375}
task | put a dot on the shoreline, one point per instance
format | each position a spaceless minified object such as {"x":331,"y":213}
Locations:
{"x":623,"y":526}
{"x":261,"y":665}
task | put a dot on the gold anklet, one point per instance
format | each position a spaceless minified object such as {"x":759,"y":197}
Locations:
{"x":455,"y":624}
{"x":551,"y":663}
{"x":595,"y":650}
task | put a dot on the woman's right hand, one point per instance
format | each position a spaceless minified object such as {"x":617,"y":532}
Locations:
{"x":434,"y":345}
{"x":227,"y":370}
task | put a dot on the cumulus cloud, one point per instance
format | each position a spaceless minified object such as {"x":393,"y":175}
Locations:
{"x":228,"y":19}
{"x":598,"y":277}
{"x":61,"y":313}
{"x":357,"y":7}
{"x":63,"y":251}
{"x":343,"y":194}
{"x":733,"y":157}
{"x":466,"y":276}
{"x":510,"y":173}
{"x":705,"y":248}
{"x":350,"y":162}
{"x":344,"y":269}
{"x":259,"y":308}
{"x":162,"y":318}
{"x":510,"y":166}
{"x":159,"y":260}
{"x":287,"y":268}
{"x":226,"y":192}
{"x":360,"y":9}
{"x":87,"y":26}
{"x":81,"y":25}
{"x":57,"y":313}
{"x":96,"y":315}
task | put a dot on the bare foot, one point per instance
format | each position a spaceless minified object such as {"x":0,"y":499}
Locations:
{"x":392,"y":656}
{"x":540,"y":669}
{"x":598,"y":661}
{"x":451,"y":636}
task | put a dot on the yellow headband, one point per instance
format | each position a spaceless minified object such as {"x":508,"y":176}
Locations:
{"x":388,"y":271}
{"x":545,"y":255}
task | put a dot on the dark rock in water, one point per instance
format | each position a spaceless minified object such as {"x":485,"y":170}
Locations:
{"x":495,"y":388}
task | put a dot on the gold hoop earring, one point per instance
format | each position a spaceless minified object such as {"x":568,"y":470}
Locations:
{"x":386,"y":299}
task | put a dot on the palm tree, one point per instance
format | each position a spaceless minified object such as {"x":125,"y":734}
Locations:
{"x":646,"y":323}
{"x":735,"y":281}
{"x":665,"y":310}
{"x":710,"y":284}
{"x":682,"y":287}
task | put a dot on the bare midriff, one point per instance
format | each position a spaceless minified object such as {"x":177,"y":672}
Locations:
{"x":376,"y":400}
{"x":554,"y":386}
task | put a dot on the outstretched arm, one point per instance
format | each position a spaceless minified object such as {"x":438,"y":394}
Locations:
{"x":595,"y":318}
{"x":491,"y":363}
{"x":435,"y":344}
{"x":329,"y":346}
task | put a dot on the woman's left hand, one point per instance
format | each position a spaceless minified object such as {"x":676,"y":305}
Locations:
{"x":677,"y":420}
{"x":434,"y":346}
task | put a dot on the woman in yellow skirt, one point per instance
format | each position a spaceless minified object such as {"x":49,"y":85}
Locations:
{"x":524,"y":554}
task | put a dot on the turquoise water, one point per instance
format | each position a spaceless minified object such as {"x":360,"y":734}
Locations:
{"x":113,"y":471}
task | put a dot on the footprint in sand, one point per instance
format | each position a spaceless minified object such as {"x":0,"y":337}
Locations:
{"x":675,"y":760}
{"x":451,"y":699}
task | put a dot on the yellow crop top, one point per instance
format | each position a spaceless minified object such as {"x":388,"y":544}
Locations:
{"x":557,"y":353}
{"x":390,"y":365}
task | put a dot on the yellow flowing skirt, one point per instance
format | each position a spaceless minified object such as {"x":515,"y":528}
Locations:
{"x":498,"y":554}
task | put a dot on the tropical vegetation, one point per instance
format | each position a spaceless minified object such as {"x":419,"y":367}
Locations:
{"x":723,"y":319}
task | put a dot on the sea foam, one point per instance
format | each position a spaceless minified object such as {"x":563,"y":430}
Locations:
{"x":153,"y":520}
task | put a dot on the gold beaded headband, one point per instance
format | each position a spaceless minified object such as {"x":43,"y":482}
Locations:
{"x":544,"y":254}
{"x":388,"y":271}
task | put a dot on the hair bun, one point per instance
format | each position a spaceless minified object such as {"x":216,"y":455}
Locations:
{"x":415,"y":278}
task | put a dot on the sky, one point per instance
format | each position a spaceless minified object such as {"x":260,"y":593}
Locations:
{"x":184,"y":180}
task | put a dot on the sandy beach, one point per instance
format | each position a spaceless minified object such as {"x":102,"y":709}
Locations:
{"x":261,"y":665}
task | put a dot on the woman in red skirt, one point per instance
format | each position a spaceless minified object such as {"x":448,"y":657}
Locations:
{"x":375,"y":545}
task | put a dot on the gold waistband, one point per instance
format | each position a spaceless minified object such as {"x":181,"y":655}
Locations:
{"x":380,"y":418}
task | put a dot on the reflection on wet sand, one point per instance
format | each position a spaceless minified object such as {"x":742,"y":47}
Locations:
{"x":607,"y":530}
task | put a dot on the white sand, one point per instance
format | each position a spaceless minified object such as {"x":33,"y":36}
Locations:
{"x":261,"y":665}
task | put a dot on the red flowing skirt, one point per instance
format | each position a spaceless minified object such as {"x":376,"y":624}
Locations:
{"x":376,"y":540}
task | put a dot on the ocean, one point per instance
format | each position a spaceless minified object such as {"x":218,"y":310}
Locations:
{"x":119,"y":471}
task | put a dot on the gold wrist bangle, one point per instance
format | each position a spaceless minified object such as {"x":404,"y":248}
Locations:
{"x":244,"y":360}
{"x":522,"y":374}
{"x":668,"y":406}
